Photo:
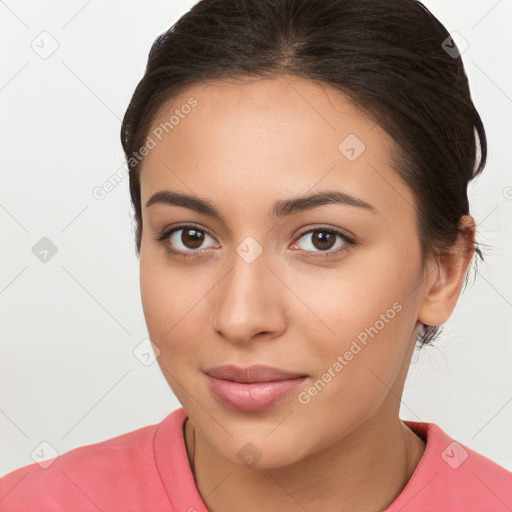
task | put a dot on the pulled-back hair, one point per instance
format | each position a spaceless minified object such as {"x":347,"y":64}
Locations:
{"x":392,"y":58}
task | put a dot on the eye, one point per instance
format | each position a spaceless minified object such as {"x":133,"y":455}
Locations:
{"x":187,"y":240}
{"x":325,"y":239}
{"x":183,"y":240}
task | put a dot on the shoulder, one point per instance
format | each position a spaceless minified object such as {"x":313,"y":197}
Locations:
{"x":452,"y":476}
{"x":91,"y":477}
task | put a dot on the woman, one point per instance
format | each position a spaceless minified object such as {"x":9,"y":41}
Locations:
{"x":299,"y":173}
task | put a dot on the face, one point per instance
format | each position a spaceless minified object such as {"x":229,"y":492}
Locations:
{"x":329,"y":290}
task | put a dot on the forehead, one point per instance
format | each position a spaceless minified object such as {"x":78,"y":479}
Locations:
{"x":281,"y":136}
{"x":272,"y":109}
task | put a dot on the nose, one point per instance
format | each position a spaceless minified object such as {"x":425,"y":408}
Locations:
{"x":250,"y":302}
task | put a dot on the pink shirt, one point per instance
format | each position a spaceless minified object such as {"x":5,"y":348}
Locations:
{"x":148,"y":470}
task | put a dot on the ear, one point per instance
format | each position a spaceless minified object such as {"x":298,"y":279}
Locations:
{"x":444,"y":282}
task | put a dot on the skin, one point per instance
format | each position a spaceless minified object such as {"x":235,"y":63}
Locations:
{"x":244,"y":146}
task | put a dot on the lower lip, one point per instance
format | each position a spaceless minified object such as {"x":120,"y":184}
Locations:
{"x":254,"y":396}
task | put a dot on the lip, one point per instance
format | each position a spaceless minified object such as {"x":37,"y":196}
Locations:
{"x":253,"y":388}
{"x":250,"y":374}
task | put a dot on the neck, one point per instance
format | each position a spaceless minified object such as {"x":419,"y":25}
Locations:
{"x":364,"y":471}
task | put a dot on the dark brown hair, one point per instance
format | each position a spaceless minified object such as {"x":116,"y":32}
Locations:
{"x":392,"y":58}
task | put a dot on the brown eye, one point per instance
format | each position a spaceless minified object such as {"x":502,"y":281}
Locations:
{"x":191,"y":238}
{"x":322,"y":240}
{"x":187,"y":238}
{"x":184,"y":240}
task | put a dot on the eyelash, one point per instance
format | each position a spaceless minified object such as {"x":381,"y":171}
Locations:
{"x":162,"y":239}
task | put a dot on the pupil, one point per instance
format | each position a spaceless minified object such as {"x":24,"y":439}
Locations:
{"x":324,"y":238}
{"x":194,"y":241}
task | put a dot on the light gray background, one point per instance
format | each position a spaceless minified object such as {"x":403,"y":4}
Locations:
{"x":68,"y":327}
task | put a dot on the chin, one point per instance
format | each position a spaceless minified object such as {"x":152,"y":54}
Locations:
{"x":262,"y":452}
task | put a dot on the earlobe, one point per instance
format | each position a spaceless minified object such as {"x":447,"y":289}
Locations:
{"x":444,"y":284}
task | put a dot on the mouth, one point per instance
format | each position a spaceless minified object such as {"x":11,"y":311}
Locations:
{"x":254,"y":388}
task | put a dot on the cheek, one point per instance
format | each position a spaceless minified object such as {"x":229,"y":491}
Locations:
{"x":162,"y":298}
{"x":167,"y":309}
{"x":367,"y":291}
{"x":174,"y":304}
{"x":356,"y":372}
{"x":368,"y":310}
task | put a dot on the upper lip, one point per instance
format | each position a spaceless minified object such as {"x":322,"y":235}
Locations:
{"x":256,"y":373}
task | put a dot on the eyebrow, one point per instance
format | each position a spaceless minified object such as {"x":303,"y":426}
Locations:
{"x":280,"y":208}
